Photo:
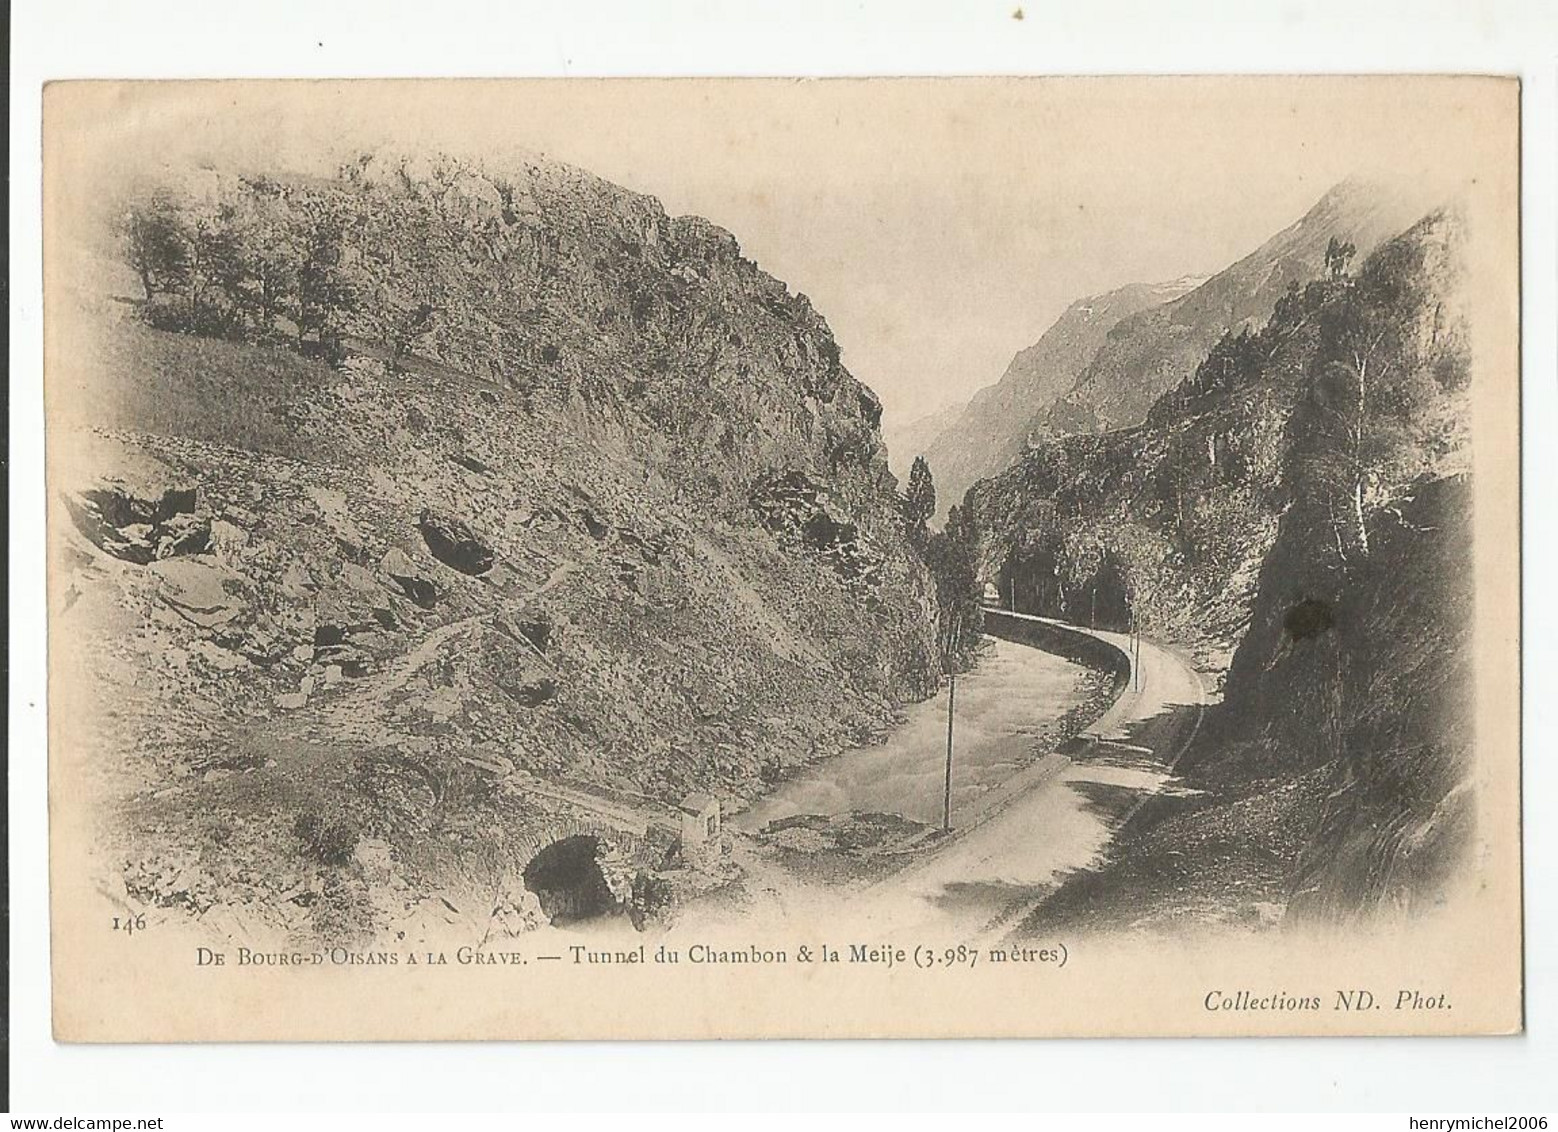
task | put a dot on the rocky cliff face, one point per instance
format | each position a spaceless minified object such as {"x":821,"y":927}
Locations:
{"x":1296,"y":513}
{"x":1173,"y":518}
{"x":1365,"y":677}
{"x":585,"y":498}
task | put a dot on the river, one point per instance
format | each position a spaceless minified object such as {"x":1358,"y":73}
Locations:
{"x":1010,"y":710}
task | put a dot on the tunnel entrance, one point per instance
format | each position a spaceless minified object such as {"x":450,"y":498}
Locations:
{"x":1108,"y":597}
{"x":566,"y":878}
{"x":1030,"y":581}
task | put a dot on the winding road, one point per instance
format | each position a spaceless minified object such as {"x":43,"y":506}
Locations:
{"x":1061,"y":817}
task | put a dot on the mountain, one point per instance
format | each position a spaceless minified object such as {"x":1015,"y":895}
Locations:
{"x":1109,"y":358}
{"x":1151,"y":352}
{"x":912,"y":438}
{"x":1296,"y":513}
{"x":392,"y":504}
{"x":982,"y":440}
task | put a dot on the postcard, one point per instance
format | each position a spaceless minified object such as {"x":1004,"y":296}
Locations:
{"x":783,"y":558}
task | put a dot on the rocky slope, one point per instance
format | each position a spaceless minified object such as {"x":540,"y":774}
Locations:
{"x":1152,"y":352}
{"x":1295,"y":513}
{"x":993,"y":429}
{"x":1109,"y":358}
{"x":1366,"y":675}
{"x":1172,"y":519}
{"x":586,"y":502}
{"x":907,"y":439}
{"x":1334,"y":781}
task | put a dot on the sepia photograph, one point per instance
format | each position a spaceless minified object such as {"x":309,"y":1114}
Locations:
{"x":696,"y":558}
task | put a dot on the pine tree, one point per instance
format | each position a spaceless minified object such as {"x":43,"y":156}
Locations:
{"x":919,"y":500}
{"x":953,"y":558}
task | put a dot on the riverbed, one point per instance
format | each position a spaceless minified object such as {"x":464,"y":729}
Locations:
{"x":1017,"y":704}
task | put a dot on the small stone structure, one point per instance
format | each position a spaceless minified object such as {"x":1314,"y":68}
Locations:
{"x":700,"y":819}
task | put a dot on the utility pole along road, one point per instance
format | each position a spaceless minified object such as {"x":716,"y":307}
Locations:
{"x":1063,"y":813}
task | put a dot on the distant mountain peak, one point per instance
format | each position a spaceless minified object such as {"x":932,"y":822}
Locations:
{"x":1109,"y":356}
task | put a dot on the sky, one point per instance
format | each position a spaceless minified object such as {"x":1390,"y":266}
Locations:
{"x":938,"y":225}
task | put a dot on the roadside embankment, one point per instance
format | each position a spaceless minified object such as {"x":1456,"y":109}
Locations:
{"x":1074,"y":645}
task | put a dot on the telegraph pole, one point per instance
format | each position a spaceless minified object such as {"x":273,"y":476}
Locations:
{"x":1137,"y":668}
{"x":949,"y":657}
{"x":946,"y":801}
{"x":1135,"y":652}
